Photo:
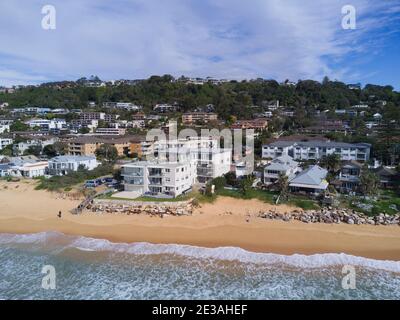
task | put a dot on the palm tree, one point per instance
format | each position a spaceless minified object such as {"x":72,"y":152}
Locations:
{"x":331,"y":162}
{"x":369,"y":182}
{"x":283,"y":186}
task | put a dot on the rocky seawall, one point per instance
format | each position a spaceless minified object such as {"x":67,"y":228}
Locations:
{"x":331,"y":215}
{"x":140,"y":207}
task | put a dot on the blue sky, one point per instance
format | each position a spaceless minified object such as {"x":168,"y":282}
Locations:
{"x":279,"y":39}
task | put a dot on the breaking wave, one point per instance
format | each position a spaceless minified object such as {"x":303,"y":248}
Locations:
{"x":62,"y":242}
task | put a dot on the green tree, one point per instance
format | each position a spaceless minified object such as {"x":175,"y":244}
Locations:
{"x":219,"y":183}
{"x":56,"y":149}
{"x":369,"y":182}
{"x":231,"y":179}
{"x":245,"y":184}
{"x":331,"y":162}
{"x":283,"y":186}
{"x":18,"y":126}
{"x":7,"y":151}
{"x":107,"y":152}
{"x":33,"y":150}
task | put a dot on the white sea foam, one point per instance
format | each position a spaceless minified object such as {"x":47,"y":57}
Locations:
{"x":221,"y":253}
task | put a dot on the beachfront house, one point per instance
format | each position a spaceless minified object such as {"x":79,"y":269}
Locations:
{"x":5,"y":170}
{"x":158,"y":179}
{"x":63,"y":165}
{"x":283,"y":165}
{"x":388,"y":178}
{"x":310,"y":181}
{"x":348,"y":179}
{"x":27,"y":167}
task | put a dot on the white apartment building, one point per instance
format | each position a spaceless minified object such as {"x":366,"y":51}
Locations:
{"x":47,"y":125}
{"x":4,"y":142}
{"x":211,"y":160}
{"x":111,"y":131}
{"x":4,"y":128}
{"x":161,"y":179}
{"x":315,"y":150}
{"x":122,"y":105}
{"x":162,"y":108}
{"x":62,"y":165}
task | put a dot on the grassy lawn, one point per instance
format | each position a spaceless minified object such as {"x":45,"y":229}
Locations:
{"x":386,"y":199}
{"x":269,"y":197}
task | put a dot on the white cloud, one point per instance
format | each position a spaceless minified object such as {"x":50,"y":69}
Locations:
{"x":223,"y":38}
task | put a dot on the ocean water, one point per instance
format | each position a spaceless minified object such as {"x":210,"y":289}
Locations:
{"x":98,"y":269}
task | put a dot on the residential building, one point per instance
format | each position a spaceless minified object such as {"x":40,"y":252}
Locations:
{"x":20,"y":147}
{"x":3,"y":105}
{"x":211,"y":160}
{"x":283,"y":165}
{"x":348,"y":179}
{"x":388,"y":178}
{"x":47,"y":125}
{"x":242,"y":169}
{"x":4,"y":142}
{"x":160,"y":179}
{"x":5,"y":170}
{"x":190,"y":118}
{"x":141,"y":148}
{"x":76,"y":125}
{"x":111,"y":131}
{"x":106,"y":117}
{"x":256,"y":124}
{"x":164,"y":108}
{"x":4,"y":128}
{"x":27,"y":167}
{"x":87,"y":145}
{"x":63,"y":165}
{"x":122,"y":105}
{"x":310,"y":181}
{"x":212,"y":163}
{"x":315,"y":150}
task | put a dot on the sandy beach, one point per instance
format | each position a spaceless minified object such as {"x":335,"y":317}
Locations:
{"x":227,"y":222}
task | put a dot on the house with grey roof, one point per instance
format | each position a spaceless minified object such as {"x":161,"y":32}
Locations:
{"x":63,"y":165}
{"x":25,"y":166}
{"x":310,"y":181}
{"x":5,"y":170}
{"x":388,"y":178}
{"x":283,"y":165}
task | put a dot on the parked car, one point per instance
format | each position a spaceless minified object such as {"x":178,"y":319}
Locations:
{"x":91,"y":184}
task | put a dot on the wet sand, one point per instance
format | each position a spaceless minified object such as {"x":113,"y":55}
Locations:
{"x":226,"y":222}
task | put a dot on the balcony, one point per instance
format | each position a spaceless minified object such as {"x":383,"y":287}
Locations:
{"x":155,"y":181}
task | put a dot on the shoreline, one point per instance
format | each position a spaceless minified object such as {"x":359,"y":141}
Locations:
{"x":220,"y":224}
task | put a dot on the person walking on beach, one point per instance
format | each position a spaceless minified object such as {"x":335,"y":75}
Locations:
{"x":59,"y":214}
